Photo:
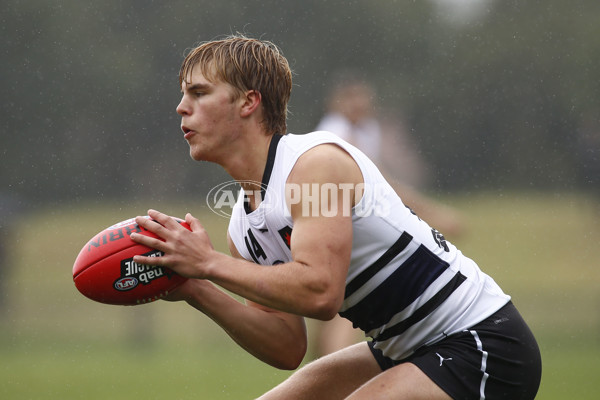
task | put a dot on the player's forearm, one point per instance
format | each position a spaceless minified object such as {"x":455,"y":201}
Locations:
{"x":292,"y":287}
{"x":277,"y":341}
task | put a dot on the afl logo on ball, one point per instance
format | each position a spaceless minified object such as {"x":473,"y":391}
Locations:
{"x":126,"y":283}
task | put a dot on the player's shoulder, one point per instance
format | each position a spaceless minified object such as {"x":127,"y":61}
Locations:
{"x":310,"y":138}
{"x":312,"y":144}
{"x":296,"y":145}
{"x":324,"y":155}
{"x":325,"y":160}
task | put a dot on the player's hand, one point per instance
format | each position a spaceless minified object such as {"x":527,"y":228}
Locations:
{"x":186,"y":252}
{"x":184,"y":292}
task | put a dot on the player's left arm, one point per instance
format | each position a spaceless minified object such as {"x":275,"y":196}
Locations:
{"x":321,"y":239}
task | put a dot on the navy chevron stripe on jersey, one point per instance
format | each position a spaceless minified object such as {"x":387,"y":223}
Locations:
{"x":400,"y":289}
{"x":267,"y":173}
{"x":424,"y":310}
{"x":270,"y":161}
{"x":384,"y":260}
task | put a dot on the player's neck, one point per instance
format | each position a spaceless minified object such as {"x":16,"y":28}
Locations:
{"x":248,"y":163}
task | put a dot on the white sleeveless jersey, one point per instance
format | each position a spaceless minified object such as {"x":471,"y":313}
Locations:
{"x":406,"y":285}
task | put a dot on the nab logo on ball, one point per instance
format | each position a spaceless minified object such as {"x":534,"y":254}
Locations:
{"x":133,"y":273}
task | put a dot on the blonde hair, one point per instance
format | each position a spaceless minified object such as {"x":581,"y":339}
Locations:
{"x":246,"y":64}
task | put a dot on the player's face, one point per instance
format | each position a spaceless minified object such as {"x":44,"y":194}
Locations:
{"x":209,"y":116}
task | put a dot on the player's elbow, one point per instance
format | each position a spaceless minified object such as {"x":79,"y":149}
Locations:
{"x":290,"y":357}
{"x":291,"y":362}
{"x":323,"y":299}
{"x":325,"y":307}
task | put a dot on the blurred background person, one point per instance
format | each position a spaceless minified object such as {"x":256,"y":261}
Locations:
{"x":350,"y":114}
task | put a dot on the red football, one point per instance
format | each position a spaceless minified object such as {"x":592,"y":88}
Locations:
{"x":105,"y":272}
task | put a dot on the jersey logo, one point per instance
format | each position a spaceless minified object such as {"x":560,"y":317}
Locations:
{"x":440,"y":239}
{"x":286,"y":235}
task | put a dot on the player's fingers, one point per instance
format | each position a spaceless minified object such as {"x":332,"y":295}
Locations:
{"x":148,"y":241}
{"x":193,"y":222}
{"x":163,"y":219}
{"x":152,"y":226}
{"x":152,"y":261}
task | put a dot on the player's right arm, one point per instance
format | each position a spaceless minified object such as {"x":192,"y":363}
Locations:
{"x":275,"y":337}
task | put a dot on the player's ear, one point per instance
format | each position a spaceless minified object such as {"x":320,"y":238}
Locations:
{"x":251,"y":99}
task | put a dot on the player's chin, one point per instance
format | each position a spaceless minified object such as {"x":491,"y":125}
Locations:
{"x":198,"y":154}
{"x":195,"y":154}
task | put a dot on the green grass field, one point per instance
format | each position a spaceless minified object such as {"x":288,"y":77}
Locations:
{"x":56,"y":344}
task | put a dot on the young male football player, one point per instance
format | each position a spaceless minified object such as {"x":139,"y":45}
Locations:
{"x":318,"y":231}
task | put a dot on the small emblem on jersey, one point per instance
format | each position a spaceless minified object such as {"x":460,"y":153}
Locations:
{"x":286,"y":235}
{"x":442,"y":359}
{"x":440,"y":239}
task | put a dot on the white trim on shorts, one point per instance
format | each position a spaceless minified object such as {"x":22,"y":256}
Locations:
{"x":484,"y":355}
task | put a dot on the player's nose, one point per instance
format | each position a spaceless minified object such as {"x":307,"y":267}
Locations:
{"x":183,"y":107}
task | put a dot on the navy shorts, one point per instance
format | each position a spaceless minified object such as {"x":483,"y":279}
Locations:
{"x":496,"y":359}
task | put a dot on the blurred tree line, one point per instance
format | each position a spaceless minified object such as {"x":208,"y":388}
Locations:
{"x":495,"y":100}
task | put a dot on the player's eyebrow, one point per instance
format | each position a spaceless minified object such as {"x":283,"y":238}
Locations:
{"x":196,"y":86}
